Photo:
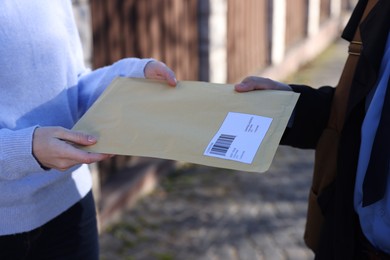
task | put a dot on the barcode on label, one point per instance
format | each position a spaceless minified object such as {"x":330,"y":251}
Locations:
{"x":222,"y":144}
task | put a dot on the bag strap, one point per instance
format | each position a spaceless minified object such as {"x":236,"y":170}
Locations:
{"x":340,"y":99}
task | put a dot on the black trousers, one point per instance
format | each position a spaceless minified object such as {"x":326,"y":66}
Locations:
{"x":71,"y":235}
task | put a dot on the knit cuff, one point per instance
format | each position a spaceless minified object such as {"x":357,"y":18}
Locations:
{"x":131,"y":67}
{"x":16,"y":156}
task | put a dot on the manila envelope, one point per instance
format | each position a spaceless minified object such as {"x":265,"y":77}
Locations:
{"x":196,"y":122}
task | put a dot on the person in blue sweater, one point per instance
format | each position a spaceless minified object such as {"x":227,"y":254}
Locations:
{"x":46,"y":204}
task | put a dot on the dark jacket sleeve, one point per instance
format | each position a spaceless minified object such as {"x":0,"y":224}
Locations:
{"x":310,"y":116}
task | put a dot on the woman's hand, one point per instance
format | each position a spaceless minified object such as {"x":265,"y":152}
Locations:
{"x":259,"y":83}
{"x":54,"y":148}
{"x":158,"y":70}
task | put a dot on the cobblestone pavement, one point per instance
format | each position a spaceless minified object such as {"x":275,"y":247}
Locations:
{"x":207,"y":213}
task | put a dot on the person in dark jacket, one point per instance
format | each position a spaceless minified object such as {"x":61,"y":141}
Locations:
{"x":356,"y":205}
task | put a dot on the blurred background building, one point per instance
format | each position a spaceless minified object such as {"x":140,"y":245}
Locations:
{"x":220,"y":41}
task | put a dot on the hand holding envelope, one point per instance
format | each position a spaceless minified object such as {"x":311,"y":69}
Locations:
{"x":197,"y":122}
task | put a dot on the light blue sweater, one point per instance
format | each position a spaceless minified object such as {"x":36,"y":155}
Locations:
{"x":43,"y":82}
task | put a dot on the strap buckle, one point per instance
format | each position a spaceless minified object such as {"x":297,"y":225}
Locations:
{"x":355,"y":48}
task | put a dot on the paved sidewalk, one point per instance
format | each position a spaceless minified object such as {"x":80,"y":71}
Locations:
{"x":207,"y":213}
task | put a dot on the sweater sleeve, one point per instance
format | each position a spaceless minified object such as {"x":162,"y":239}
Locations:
{"x":310,"y":116}
{"x":92,"y":83}
{"x":16,"y":159}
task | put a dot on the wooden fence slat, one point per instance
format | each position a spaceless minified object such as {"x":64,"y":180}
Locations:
{"x":297,"y":12}
{"x":247,"y":38}
{"x":114,"y":32}
{"x":99,"y":30}
{"x":324,"y":11}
